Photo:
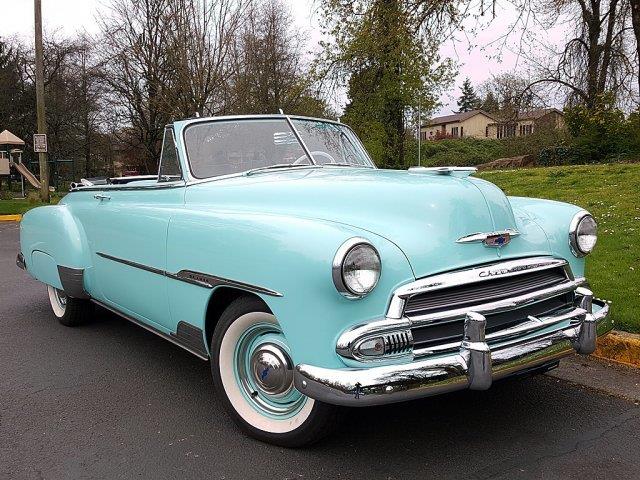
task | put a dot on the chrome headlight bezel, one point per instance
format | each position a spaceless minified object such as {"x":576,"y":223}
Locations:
{"x":574,"y":227}
{"x":337,"y":270}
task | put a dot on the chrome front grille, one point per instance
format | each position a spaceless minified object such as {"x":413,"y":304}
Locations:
{"x":439,"y":336}
{"x":480,"y":292}
{"x":514,"y":297}
{"x":437,"y":313}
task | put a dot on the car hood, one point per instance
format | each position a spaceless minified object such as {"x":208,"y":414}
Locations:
{"x":422,"y":213}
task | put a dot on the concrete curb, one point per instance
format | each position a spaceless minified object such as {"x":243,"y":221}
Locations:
{"x":10,"y":218}
{"x":621,"y":347}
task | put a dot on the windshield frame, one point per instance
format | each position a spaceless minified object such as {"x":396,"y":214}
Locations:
{"x":289,"y":120}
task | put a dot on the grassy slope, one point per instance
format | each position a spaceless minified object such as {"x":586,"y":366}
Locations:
{"x":612,"y":194}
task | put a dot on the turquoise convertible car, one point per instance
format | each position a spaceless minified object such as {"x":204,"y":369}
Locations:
{"x":272,"y":247}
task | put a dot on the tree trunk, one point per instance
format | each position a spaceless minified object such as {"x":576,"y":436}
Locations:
{"x":635,"y":21}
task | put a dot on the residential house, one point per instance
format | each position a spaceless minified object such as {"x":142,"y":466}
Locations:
{"x":481,"y":124}
{"x":526,"y":123}
{"x":463,"y":124}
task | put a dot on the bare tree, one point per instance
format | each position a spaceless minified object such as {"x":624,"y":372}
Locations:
{"x":272,"y":73}
{"x":134,"y":47}
{"x":596,"y":58}
{"x":508,"y":94}
{"x":201,"y":52}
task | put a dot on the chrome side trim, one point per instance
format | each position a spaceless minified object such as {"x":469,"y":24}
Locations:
{"x":210,"y":281}
{"x":481,"y":237}
{"x":72,"y":280}
{"x":126,"y":186}
{"x":170,"y":338}
{"x":200,"y":279}
{"x":471,"y":275}
{"x":474,"y":365}
{"x":129,"y":263}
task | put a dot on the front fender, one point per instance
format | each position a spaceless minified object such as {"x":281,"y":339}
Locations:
{"x":289,"y":255}
{"x":554,"y":218}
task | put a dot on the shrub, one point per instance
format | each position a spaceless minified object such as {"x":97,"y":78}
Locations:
{"x":601,"y":133}
{"x":457,"y":151}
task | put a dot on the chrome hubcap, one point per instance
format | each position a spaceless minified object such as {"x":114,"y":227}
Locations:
{"x":272,"y":370}
{"x":264,"y":372}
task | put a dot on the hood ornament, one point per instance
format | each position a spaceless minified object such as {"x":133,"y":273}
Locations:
{"x":496,"y":239}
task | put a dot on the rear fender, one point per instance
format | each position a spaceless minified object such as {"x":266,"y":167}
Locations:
{"x":55,"y":249}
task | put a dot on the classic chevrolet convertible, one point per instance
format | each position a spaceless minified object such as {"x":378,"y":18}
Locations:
{"x":272,"y":247}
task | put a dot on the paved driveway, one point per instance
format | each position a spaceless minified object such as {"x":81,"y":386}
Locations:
{"x":111,"y":400}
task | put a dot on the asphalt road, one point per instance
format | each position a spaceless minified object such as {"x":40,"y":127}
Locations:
{"x":111,"y":400}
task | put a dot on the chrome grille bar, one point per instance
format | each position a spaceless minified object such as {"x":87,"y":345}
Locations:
{"x":481,"y":273}
{"x":499,"y":306}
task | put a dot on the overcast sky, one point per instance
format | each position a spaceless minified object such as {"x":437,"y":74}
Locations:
{"x":474,"y":61}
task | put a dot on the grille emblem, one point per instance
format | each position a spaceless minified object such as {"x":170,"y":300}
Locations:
{"x":491,"y":239}
{"x":499,"y":240}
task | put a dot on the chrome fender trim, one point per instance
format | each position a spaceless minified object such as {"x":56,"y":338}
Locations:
{"x":200,"y":279}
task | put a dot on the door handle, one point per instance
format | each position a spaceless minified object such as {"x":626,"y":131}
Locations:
{"x":101,"y":197}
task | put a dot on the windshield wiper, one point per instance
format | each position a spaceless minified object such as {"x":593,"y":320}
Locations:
{"x":276,"y":167}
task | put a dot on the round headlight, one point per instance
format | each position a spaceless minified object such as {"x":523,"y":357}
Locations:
{"x":583,"y":234}
{"x":356,"y":268}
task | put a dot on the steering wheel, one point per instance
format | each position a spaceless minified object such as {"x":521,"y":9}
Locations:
{"x":313,"y":154}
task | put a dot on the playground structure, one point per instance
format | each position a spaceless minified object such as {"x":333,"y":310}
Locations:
{"x":11,"y":149}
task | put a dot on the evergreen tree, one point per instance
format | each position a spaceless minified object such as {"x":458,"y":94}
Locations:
{"x":468,"y":100}
{"x":387,"y":67}
{"x":490,"y":103}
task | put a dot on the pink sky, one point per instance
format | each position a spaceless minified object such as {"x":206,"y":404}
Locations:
{"x":477,"y":64}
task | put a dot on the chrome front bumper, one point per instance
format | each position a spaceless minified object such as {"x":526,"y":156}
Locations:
{"x":475,"y":365}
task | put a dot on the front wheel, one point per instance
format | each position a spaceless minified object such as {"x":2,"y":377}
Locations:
{"x":69,"y":311}
{"x":252,"y":368}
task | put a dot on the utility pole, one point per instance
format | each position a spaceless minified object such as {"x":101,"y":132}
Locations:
{"x":42,"y":124}
{"x":419,"y":130}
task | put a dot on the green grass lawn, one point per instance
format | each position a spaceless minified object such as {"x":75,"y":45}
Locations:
{"x":20,"y":206}
{"x":611,"y":193}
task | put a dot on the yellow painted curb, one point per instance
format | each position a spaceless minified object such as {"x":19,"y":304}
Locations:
{"x":620,"y":347}
{"x":10,"y":218}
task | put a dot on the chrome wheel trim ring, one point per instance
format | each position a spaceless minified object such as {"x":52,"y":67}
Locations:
{"x":274,"y":413}
{"x":58,"y":301}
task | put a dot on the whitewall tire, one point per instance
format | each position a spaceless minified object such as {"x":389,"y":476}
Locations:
{"x":252,"y":369}
{"x":69,"y":311}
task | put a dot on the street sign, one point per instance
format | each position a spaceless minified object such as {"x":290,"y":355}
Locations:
{"x":40,"y":142}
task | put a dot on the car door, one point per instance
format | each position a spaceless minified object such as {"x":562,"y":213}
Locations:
{"x":128,"y":237}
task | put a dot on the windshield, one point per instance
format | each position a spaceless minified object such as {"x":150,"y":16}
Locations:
{"x":225,"y":147}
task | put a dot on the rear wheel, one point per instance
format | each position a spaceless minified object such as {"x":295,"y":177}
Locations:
{"x":69,"y":311}
{"x":252,"y":368}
